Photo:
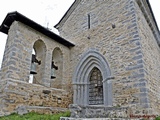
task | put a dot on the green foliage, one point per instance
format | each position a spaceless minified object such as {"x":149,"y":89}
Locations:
{"x":35,"y":116}
{"x":157,"y":118}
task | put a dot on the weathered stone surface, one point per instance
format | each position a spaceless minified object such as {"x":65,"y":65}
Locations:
{"x":20,"y":53}
{"x":118,"y":37}
{"x":66,"y":118}
{"x":128,"y":48}
{"x":23,"y":97}
{"x":98,"y":111}
{"x":21,"y":110}
{"x":39,"y":109}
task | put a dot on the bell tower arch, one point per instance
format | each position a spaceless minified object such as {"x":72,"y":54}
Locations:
{"x":38,"y":61}
{"x":57,"y":58}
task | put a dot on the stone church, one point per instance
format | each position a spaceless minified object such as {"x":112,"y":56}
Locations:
{"x":105,"y":63}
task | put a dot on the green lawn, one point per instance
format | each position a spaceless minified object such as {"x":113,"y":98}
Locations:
{"x":35,"y":116}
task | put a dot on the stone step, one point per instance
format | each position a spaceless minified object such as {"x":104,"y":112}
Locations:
{"x":67,"y":118}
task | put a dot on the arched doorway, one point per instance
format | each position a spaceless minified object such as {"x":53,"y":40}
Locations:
{"x":91,"y":66}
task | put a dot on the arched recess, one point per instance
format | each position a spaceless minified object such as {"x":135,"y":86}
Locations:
{"x":90,"y":60}
{"x":57,"y":57}
{"x":95,"y":87}
{"x":40,"y":52}
{"x":32,"y":75}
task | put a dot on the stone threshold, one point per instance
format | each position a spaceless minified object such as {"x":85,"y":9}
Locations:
{"x":67,"y":118}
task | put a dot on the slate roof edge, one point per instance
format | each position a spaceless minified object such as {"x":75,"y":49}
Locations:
{"x":67,"y":14}
{"x":16,"y":16}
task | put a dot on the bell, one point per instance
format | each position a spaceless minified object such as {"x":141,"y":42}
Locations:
{"x":53,"y":73}
{"x":33,"y":68}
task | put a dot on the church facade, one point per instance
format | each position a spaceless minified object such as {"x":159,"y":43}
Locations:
{"x":106,"y":57}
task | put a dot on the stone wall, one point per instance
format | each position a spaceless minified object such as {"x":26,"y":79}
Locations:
{"x":18,"y":52}
{"x":22,"y":97}
{"x":99,"y":112}
{"x":114,"y":33}
{"x":115,"y":44}
{"x":106,"y":32}
{"x":151,"y":57}
{"x":16,"y":93}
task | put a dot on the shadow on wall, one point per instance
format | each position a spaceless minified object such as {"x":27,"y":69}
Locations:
{"x":57,"y":57}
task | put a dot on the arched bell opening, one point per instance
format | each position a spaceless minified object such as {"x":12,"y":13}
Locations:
{"x":38,"y":62}
{"x":57,"y":68}
{"x":32,"y":68}
{"x":95,"y":87}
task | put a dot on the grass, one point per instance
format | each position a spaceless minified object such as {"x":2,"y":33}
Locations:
{"x":35,"y":116}
{"x":157,"y":118}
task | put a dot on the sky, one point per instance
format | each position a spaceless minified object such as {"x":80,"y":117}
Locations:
{"x":46,"y":13}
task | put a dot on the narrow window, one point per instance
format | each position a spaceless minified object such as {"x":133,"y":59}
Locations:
{"x":89,"y":21}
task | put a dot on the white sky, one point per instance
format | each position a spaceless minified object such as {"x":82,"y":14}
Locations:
{"x":46,"y":12}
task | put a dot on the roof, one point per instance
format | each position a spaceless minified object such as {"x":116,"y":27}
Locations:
{"x":68,"y":13}
{"x":151,"y":21}
{"x":16,"y":16}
